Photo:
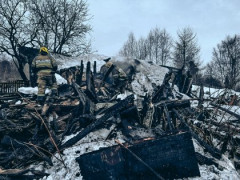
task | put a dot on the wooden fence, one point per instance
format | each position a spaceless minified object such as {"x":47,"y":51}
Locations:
{"x":12,"y":86}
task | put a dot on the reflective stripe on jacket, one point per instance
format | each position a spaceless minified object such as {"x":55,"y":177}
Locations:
{"x":44,"y":63}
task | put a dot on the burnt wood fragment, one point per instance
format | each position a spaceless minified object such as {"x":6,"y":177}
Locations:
{"x":81,"y":95}
{"x":117,"y":108}
{"x":226,"y":110}
{"x":95,"y":69}
{"x":106,"y":75}
{"x":212,"y":150}
{"x":90,"y":91}
{"x":206,"y":160}
{"x":170,"y":125}
{"x":164,"y":91}
{"x":21,"y":174}
{"x":201,"y":95}
{"x":157,"y":175}
{"x":21,"y":153}
{"x":171,"y":156}
{"x":80,"y":74}
{"x":131,"y":113}
{"x":78,"y":123}
{"x":174,"y":103}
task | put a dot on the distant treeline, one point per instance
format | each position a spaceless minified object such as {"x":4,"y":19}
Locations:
{"x":159,"y":47}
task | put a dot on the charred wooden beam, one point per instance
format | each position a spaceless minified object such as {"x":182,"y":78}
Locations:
{"x":81,"y":95}
{"x":212,"y":150}
{"x":174,"y":103}
{"x":226,"y":110}
{"x":106,"y":75}
{"x":117,"y":108}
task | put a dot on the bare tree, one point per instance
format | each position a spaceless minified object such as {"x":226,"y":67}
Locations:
{"x":165,"y":47}
{"x":12,"y":30}
{"x":160,"y":44}
{"x":186,"y":48}
{"x":129,"y":48}
{"x":141,"y":48}
{"x":226,"y":61}
{"x":156,"y":48}
{"x":61,"y":25}
{"x":150,"y":44}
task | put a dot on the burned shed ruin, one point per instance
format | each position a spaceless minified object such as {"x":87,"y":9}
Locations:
{"x":152,"y":128}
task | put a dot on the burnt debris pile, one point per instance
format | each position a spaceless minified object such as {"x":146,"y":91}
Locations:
{"x":157,"y":128}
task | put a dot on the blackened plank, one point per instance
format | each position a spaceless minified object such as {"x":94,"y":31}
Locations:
{"x":171,"y":156}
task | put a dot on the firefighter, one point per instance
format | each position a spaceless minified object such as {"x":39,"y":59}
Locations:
{"x":45,"y":66}
{"x":118,"y":78}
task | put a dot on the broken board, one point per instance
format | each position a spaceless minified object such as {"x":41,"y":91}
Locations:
{"x":171,"y":156}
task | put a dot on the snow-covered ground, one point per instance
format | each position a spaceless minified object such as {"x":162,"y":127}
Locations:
{"x":213,"y":92}
{"x":141,"y":85}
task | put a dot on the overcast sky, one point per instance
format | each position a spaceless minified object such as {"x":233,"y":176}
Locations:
{"x":113,"y":20}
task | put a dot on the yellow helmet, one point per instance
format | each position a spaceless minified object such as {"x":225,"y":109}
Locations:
{"x":43,"y":49}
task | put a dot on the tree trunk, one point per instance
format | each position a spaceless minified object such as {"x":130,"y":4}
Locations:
{"x":21,"y":72}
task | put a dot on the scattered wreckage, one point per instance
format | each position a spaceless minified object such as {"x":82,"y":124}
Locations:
{"x":30,"y":133}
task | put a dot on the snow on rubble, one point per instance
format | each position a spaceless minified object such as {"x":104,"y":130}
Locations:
{"x":34,"y":90}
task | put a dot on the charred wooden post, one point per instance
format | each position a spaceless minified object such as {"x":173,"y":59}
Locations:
{"x":148,"y":118}
{"x":90,"y":91}
{"x":117,"y":108}
{"x":94,"y":68}
{"x":80,"y":74}
{"x":201,"y":94}
{"x":170,"y":125}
